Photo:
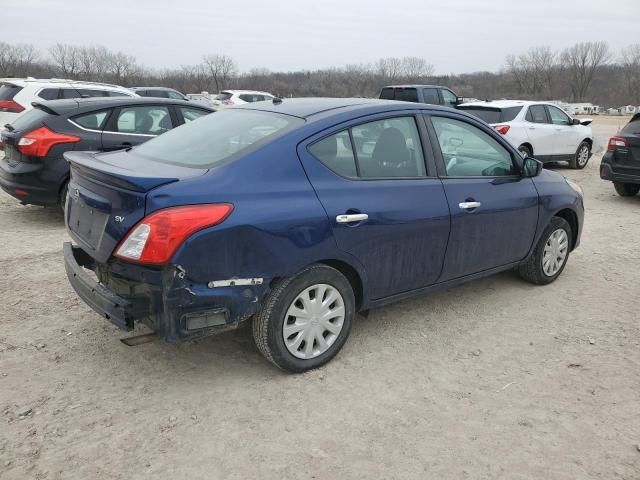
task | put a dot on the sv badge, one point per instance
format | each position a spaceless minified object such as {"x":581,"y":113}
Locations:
{"x":119,"y":219}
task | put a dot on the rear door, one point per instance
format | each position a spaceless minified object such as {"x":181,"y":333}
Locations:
{"x":540,"y":130}
{"x":494,"y":211}
{"x":132,"y":125}
{"x":387,"y":209}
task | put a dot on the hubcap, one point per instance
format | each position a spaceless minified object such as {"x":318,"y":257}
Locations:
{"x":313,"y":321}
{"x":555,"y":252}
{"x":583,"y":155}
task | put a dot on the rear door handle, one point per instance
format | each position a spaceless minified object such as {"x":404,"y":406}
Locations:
{"x":469,"y":205}
{"x":352,"y":218}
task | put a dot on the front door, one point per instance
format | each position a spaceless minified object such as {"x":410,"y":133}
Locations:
{"x":494,"y":211}
{"x":566,"y":137}
{"x":540,"y":131}
{"x":384,"y":208}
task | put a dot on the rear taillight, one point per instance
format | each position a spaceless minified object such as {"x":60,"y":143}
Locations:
{"x":615,"y":142}
{"x":228,"y":102}
{"x":502,"y":129}
{"x":10,"y":106}
{"x":38,"y":142}
{"x":156,"y":237}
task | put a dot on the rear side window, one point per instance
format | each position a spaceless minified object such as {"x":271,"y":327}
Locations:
{"x":537,"y":114}
{"x":493,"y":115}
{"x":70,"y":93}
{"x":30,"y":119}
{"x":8,"y":91}
{"x":216,"y":138}
{"x":147,"y":120}
{"x":632,"y":128}
{"x":431,"y":96}
{"x":406,"y":94}
{"x":93,"y":120}
{"x":157,"y":93}
{"x":49,"y":93}
{"x":336,"y":153}
{"x":387,"y":148}
{"x":224,"y":96}
{"x":386,"y":94}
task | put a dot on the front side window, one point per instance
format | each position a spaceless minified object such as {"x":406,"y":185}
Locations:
{"x":147,"y":120}
{"x":387,"y":148}
{"x":175,"y":95}
{"x":537,"y":114}
{"x":558,"y":117}
{"x":450,"y":100}
{"x":92,"y":121}
{"x":469,"y":152}
{"x":216,"y":138}
{"x":191,"y":114}
{"x":431,"y":96}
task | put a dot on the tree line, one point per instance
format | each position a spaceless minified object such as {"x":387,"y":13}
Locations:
{"x":587,"y":71}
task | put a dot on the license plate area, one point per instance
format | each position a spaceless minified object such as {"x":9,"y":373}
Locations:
{"x":88,"y":216}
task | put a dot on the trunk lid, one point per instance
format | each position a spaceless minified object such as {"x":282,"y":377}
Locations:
{"x":107,"y":194}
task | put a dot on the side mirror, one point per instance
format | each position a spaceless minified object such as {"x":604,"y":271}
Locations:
{"x":575,"y":121}
{"x":459,"y":100}
{"x":531,"y":167}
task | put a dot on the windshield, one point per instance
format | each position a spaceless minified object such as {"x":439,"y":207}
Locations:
{"x":29,"y":119}
{"x":212,"y":139}
{"x":633,"y":127}
{"x":493,"y":115}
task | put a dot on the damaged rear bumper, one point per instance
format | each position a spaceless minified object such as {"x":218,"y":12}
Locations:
{"x":164,"y":299}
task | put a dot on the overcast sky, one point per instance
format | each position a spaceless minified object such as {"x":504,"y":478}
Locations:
{"x":454,"y":35}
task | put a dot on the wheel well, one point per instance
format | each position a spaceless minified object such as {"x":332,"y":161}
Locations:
{"x":352,"y":275}
{"x":572,"y":219}
{"x":528,"y":145}
{"x":589,"y":141}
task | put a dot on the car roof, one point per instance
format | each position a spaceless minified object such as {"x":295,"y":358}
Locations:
{"x":310,"y":107}
{"x":93,"y":103}
{"x":164,"y":89}
{"x":247,"y":91}
{"x":504,"y":103}
{"x":415,"y":85}
{"x":58,"y":82}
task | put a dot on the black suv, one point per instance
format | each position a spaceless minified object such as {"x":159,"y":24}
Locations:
{"x":431,"y":94}
{"x":621,"y":163}
{"x":33,"y":169}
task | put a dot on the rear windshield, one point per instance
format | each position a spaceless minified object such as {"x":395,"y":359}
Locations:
{"x":224,"y":96}
{"x":493,"y":115}
{"x":29,"y":119}
{"x":216,"y":137}
{"x":633,"y":127}
{"x":8,"y":91}
{"x":403,"y":94}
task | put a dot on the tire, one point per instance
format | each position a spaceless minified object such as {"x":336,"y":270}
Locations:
{"x":626,"y":189}
{"x":63,"y":197}
{"x":525,"y":151}
{"x":269,"y":322}
{"x":533,"y":269}
{"x":581,"y":157}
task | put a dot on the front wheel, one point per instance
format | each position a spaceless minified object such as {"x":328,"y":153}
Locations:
{"x":626,"y":189}
{"x":582,"y":156}
{"x":305,"y":319}
{"x":550,"y":255}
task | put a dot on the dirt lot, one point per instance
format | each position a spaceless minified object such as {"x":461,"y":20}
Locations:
{"x":494,"y":379}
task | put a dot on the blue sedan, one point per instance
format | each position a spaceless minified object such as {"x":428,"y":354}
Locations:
{"x":296,"y":214}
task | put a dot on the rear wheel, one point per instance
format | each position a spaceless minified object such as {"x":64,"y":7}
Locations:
{"x":525,"y":151}
{"x":582,"y":156}
{"x":626,"y":189}
{"x":306,"y":319}
{"x":550,"y":255}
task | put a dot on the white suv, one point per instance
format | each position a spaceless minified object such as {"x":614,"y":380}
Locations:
{"x":227,"y":98}
{"x":538,"y":129}
{"x":16,"y":94}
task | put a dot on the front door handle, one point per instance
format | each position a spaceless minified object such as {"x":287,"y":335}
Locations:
{"x":352,"y":218}
{"x":469,"y":205}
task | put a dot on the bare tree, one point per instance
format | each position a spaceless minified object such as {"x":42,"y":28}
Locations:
{"x":66,"y":59}
{"x":533,"y":71}
{"x":630,"y":63}
{"x":390,"y":68}
{"x":416,"y":68}
{"x":580,"y":63}
{"x":221,"y":68}
{"x":123,"y":69}
{"x":16,"y":60}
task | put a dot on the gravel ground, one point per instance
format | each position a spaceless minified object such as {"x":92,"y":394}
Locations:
{"x":493,"y":379}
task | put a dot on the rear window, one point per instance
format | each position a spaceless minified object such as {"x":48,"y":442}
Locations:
{"x":401,"y":94}
{"x":493,"y":115}
{"x":8,"y":91}
{"x":49,"y":93}
{"x":216,"y":138}
{"x":386,"y":94}
{"x":633,"y":127}
{"x":29,"y":119}
{"x":223,"y":96}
